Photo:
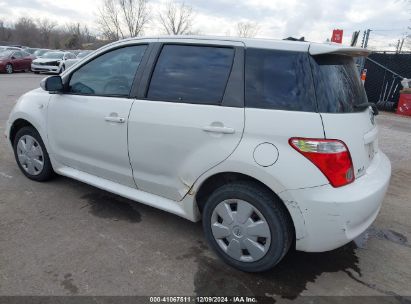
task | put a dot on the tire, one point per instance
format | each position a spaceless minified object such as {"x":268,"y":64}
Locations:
{"x":9,"y":68}
{"x":268,"y":212}
{"x":36,"y":72}
{"x":29,"y":159}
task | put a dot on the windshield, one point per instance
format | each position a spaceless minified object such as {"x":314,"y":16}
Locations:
{"x":53,"y":55}
{"x":40,"y":52}
{"x":337,"y":84}
{"x":5,"y":53}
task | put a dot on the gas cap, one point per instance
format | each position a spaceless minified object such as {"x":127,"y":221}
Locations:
{"x":265,"y":154}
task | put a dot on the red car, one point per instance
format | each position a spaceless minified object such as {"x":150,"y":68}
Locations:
{"x":11,"y":60}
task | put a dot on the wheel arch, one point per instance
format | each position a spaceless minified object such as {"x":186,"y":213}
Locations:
{"x":17,"y":125}
{"x":215,"y":181}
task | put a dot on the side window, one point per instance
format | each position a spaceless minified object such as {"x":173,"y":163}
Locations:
{"x":17,"y":55}
{"x":109,"y":74}
{"x":279,"y":80}
{"x":192,"y":74}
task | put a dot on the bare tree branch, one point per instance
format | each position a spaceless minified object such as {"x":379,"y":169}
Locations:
{"x":136,"y":15}
{"x":247,"y":29}
{"x":118,"y":19}
{"x":176,"y":18}
{"x":45,"y":27}
{"x":5,"y":32}
{"x":109,"y":20}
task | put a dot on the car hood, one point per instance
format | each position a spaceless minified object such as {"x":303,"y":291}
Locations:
{"x":38,"y":60}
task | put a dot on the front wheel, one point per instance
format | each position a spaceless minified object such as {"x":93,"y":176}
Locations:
{"x":31,"y":155}
{"x":247,"y":226}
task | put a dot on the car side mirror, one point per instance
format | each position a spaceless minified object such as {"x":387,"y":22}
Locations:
{"x":12,"y":57}
{"x":52,"y":84}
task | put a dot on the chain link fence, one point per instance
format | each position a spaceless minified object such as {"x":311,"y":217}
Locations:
{"x":385,"y":70}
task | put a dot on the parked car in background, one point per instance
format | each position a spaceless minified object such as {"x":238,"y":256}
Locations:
{"x":273,"y":144}
{"x":79,"y":56}
{"x":75,"y":52}
{"x":51,"y":62}
{"x":40,"y":52}
{"x":12,"y":48}
{"x":12,"y":60}
{"x":31,"y":50}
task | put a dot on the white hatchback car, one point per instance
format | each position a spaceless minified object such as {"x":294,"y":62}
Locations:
{"x":271,"y":143}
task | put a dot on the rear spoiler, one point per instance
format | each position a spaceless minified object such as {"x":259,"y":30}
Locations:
{"x":328,"y":48}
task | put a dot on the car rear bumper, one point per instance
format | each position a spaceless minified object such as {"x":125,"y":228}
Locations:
{"x":331,"y":217}
{"x":45,"y":68}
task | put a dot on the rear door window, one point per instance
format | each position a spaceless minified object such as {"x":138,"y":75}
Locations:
{"x":191,"y":74}
{"x":337,"y":84}
{"x":279,"y":80}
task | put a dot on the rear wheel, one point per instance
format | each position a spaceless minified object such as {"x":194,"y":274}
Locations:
{"x":9,"y":68}
{"x":31,"y":155}
{"x":247,"y":226}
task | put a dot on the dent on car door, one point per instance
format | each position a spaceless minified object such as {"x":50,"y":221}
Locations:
{"x":190,"y":120}
{"x":87,"y":124}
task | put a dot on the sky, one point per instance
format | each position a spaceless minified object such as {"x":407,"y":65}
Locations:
{"x":313,"y":19}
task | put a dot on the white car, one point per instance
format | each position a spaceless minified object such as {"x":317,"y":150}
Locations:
{"x":81,"y":55}
{"x":271,"y":143}
{"x":51,"y":62}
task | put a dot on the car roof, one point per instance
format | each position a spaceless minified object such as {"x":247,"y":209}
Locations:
{"x":287,"y":45}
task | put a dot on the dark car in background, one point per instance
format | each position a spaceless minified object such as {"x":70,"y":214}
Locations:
{"x":11,"y":61}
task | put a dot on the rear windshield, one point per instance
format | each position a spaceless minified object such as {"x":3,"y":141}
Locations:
{"x":337,"y":84}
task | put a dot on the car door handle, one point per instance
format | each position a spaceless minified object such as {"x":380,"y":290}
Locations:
{"x":215,"y":129}
{"x":115,"y":119}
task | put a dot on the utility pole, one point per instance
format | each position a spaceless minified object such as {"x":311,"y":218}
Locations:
{"x":363,"y":39}
{"x":364,"y":44}
{"x":397,"y":48}
{"x":402,"y":43}
{"x":367,"y":36}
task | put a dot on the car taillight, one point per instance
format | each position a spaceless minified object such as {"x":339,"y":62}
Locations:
{"x":331,"y":156}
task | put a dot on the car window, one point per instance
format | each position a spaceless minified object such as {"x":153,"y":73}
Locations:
{"x":337,"y":83}
{"x":192,"y":74}
{"x":17,"y":55}
{"x":109,"y":74}
{"x":279,"y":80}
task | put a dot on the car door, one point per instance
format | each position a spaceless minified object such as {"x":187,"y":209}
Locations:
{"x":190,"y":118}
{"x":87,"y":124}
{"x":26,"y":60}
{"x":16,"y":61}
